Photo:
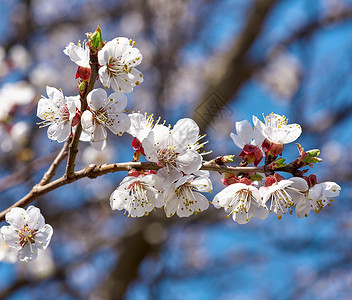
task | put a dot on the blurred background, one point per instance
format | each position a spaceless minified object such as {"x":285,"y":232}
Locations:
{"x":217,"y":61}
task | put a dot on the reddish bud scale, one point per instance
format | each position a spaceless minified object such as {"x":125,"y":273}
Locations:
{"x":272,"y":149}
{"x":251,"y":154}
{"x":83,"y":73}
{"x":270,"y":180}
{"x":311,"y":180}
{"x":137,"y":146}
{"x":76,"y":118}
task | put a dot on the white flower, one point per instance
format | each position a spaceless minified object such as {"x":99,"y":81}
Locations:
{"x":276,"y":129}
{"x":118,"y":60}
{"x":317,"y":197}
{"x":27,"y":232}
{"x":183,"y":196}
{"x":242,"y":202}
{"x":246,"y":135}
{"x":57,"y":112}
{"x":284,"y":194}
{"x":136,"y":195}
{"x":78,"y":54}
{"x":174,"y":149}
{"x":141,"y":125}
{"x":104,"y":112}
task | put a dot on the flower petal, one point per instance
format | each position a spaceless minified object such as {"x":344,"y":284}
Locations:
{"x":11,"y":237}
{"x":121,"y":124}
{"x":35,"y":218}
{"x":28,"y":253}
{"x":189,"y":162}
{"x":185,"y":133}
{"x":43,"y":237}
{"x":16,"y":217}
{"x":97,"y":98}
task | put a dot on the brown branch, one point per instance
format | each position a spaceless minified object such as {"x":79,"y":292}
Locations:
{"x":226,"y":81}
{"x":93,"y":171}
{"x":73,"y":148}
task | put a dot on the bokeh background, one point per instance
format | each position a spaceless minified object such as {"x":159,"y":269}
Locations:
{"x":217,"y":61}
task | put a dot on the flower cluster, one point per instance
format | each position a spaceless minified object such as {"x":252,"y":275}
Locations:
{"x":177,"y":181}
{"x":245,"y":196}
{"x":176,"y":186}
{"x":117,"y":60}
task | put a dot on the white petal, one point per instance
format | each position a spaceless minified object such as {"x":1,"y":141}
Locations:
{"x":156,"y":139}
{"x":121,"y":124}
{"x":54,"y":93}
{"x":16,"y":217}
{"x":11,"y":237}
{"x":63,"y":133}
{"x":299,"y":184}
{"x":116,"y":103}
{"x":202,"y":184}
{"x":303,"y":208}
{"x":293,"y":133}
{"x":121,"y":84}
{"x":259,"y":211}
{"x":27,"y":253}
{"x":43,"y":237}
{"x":78,"y":55}
{"x":189,"y":162}
{"x":259,"y":125}
{"x":331,"y":189}
{"x":185,"y":133}
{"x":35,"y":218}
{"x":171,"y":205}
{"x":87,"y":122}
{"x":241,"y":217}
{"x":104,"y":76}
{"x":97,"y":98}
{"x":237,"y":140}
{"x":100,"y":145}
{"x":118,"y":199}
{"x":165,"y":177}
{"x":245,"y":131}
{"x":99,"y":134}
{"x":133,"y":58}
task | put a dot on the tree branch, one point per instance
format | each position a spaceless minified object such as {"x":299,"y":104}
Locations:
{"x":94,"y":66}
{"x":93,"y":171}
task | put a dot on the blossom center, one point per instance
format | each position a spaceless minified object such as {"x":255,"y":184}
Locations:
{"x":167,"y":156}
{"x":275,"y":121}
{"x":102,"y":117}
{"x":282,"y":200}
{"x":65,"y":114}
{"x":185,"y":194}
{"x":138,"y":197}
{"x":241,"y":202}
{"x":26,"y":235}
{"x":62,"y":115}
{"x":115,"y":67}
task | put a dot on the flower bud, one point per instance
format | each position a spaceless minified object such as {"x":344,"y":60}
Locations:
{"x":271,"y":149}
{"x":95,"y":40}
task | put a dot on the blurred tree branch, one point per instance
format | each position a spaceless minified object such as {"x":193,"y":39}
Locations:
{"x":236,"y":69}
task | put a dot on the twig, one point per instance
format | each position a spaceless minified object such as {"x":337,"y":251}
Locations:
{"x":70,"y":169}
{"x":93,"y":171}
